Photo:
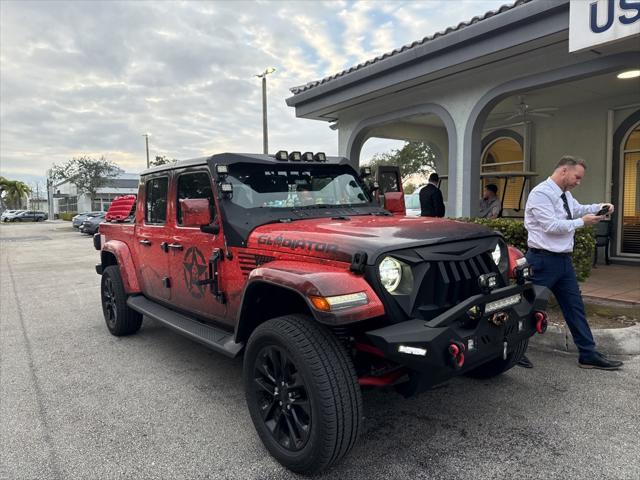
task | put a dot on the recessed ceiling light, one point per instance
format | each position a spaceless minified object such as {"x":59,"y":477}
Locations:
{"x":629,"y":74}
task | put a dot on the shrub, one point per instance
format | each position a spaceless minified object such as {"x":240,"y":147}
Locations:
{"x":67,"y":215}
{"x":515,"y":234}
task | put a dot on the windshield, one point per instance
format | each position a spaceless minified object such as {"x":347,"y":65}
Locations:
{"x":294,"y":185}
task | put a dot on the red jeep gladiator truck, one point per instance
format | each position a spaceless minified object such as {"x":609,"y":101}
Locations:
{"x":290,"y":260}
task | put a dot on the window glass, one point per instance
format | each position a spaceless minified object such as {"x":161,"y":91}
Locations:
{"x":194,"y":185}
{"x":156,"y":200}
{"x":299,"y":185}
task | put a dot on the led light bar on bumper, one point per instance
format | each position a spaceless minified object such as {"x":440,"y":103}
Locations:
{"x":339,"y":302}
{"x":502,"y":303}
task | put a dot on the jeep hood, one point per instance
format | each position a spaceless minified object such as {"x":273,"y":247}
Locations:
{"x":339,"y":239}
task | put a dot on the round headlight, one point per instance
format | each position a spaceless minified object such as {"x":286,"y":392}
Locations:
{"x":496,"y":254}
{"x":390,"y":273}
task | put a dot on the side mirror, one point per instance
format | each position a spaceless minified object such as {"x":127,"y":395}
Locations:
{"x":195,"y":212}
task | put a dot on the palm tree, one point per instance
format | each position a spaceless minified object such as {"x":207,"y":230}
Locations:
{"x":13,"y":191}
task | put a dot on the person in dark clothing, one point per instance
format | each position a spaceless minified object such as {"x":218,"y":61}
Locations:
{"x":431,"y":203}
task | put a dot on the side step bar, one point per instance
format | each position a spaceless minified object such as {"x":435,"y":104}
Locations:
{"x":214,"y":338}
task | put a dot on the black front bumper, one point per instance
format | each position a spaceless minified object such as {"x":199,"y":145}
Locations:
{"x":482,"y":340}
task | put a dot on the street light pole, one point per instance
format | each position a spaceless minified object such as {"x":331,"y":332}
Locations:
{"x":146,"y":138}
{"x":265,"y":134}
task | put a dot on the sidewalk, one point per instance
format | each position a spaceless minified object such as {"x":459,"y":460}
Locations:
{"x":613,"y":283}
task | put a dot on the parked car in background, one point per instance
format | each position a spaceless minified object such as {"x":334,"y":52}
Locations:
{"x":8,"y":215}
{"x":81,"y":217}
{"x":28,"y":216}
{"x":91,"y":224}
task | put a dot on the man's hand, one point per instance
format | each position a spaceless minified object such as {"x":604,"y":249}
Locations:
{"x":611,"y":207}
{"x":591,"y":219}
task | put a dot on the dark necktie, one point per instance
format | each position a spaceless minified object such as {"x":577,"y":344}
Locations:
{"x":565,"y":204}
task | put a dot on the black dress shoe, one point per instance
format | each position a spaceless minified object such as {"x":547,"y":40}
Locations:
{"x":599,"y":361}
{"x":524,"y":362}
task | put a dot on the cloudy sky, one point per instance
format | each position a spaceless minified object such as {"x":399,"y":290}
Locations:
{"x":90,"y":77}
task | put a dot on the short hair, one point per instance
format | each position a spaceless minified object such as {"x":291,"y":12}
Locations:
{"x":434,"y":177}
{"x":569,"y":161}
{"x":492,"y":187}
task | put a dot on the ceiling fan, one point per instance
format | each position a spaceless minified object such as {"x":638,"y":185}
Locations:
{"x":524,"y":110}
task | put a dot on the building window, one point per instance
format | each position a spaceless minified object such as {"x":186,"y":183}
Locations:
{"x":504,"y":154}
{"x":68,"y":204}
{"x":630,"y":207}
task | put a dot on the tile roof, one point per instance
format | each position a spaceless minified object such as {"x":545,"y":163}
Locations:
{"x":417,"y":43}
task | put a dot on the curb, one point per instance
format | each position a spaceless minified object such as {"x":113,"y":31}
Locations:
{"x":611,"y":341}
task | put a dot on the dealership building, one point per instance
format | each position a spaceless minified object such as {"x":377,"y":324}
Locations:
{"x":500,"y":98}
{"x":65,"y":198}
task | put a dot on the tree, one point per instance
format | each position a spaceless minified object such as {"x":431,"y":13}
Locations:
{"x":86,"y":173}
{"x":13,"y":192}
{"x":161,"y":160}
{"x":413,"y":158}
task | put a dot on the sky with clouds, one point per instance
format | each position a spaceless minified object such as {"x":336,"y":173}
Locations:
{"x":90,"y":77}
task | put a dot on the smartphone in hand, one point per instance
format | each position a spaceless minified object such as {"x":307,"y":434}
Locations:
{"x":603,"y":211}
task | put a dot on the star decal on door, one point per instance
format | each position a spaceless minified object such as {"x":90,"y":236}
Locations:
{"x":194,"y":268}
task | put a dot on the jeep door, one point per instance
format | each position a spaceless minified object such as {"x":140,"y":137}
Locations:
{"x":190,"y":262}
{"x":152,"y":237}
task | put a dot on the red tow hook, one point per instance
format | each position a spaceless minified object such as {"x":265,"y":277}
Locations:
{"x":541,"y":322}
{"x":456,"y":350}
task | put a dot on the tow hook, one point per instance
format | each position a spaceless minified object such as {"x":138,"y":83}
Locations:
{"x":541,"y":322}
{"x":456,"y":352}
{"x":499,"y":318}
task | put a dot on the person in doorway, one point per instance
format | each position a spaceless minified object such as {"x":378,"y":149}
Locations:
{"x":551,"y":217}
{"x":490,"y":205}
{"x":431,"y":202}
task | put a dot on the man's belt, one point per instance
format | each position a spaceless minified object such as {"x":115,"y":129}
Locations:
{"x":542,"y":251}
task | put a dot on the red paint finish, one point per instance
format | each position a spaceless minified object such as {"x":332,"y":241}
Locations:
{"x":324,"y":280}
{"x":125,"y":260}
{"x":383,"y":380}
{"x":514,"y":256}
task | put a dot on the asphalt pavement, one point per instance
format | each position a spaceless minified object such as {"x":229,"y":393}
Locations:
{"x":78,"y":403}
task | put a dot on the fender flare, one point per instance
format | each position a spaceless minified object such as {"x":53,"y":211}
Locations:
{"x":303,"y":280}
{"x":120,"y":250}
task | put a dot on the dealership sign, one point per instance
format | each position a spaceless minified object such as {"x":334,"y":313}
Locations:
{"x":597,"y":22}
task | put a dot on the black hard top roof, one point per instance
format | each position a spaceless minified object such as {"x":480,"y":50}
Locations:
{"x":230,"y":158}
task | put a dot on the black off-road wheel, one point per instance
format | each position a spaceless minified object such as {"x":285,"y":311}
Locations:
{"x":121,"y":320}
{"x":302,"y":393}
{"x":499,"y":365}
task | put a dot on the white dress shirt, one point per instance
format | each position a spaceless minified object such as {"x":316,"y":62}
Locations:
{"x":546,"y":219}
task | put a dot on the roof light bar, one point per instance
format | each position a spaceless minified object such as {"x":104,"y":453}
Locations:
{"x":295,"y":156}
{"x":307,"y":156}
{"x":320,"y":157}
{"x":282,"y":155}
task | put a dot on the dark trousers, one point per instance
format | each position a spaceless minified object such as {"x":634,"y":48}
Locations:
{"x":557,"y":274}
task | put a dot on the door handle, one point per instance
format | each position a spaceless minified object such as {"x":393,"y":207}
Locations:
{"x":145,"y":242}
{"x":175,"y":246}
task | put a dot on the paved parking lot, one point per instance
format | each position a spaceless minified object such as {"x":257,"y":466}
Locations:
{"x":76,"y":402}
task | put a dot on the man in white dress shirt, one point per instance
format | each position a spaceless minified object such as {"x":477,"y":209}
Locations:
{"x":551,"y":217}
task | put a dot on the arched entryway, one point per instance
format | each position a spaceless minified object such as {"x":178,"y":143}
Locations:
{"x":626,"y":191}
{"x":502,"y":152}
{"x":429,"y":123}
